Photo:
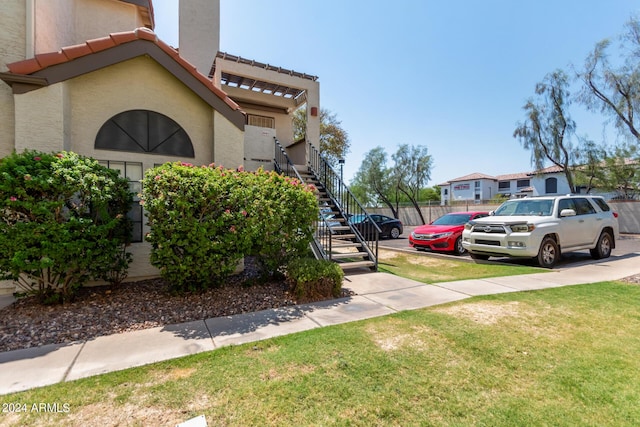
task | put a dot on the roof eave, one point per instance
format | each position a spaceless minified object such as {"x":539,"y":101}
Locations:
{"x":21,"y":84}
{"x":62,"y":69}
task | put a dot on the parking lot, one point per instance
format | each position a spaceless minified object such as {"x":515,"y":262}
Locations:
{"x":627,"y":244}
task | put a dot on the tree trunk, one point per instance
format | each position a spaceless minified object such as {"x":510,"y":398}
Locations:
{"x":414,"y":202}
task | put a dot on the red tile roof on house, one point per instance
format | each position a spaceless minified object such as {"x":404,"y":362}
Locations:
{"x":511,"y":176}
{"x":42,"y":65}
{"x":506,"y":177}
{"x":550,"y":169}
{"x":473,"y":176}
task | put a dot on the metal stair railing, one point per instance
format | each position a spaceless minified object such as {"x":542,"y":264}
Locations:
{"x":366,"y":232}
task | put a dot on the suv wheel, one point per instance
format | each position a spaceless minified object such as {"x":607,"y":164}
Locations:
{"x":548,"y":255}
{"x":603,"y":247}
{"x":458,"y":249}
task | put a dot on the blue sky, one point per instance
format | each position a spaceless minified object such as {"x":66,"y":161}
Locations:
{"x":452,"y":76}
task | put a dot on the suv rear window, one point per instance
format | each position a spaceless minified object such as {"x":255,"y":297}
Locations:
{"x":602,"y":204}
{"x":583,"y":207}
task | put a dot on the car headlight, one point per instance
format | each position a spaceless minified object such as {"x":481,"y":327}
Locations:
{"x":441,"y":235}
{"x":468,"y":226}
{"x":522,"y":228}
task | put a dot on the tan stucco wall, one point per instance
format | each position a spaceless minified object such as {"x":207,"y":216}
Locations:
{"x":70,"y":114}
{"x":139,"y":83}
{"x":54,"y":24}
{"x":62,"y":23}
{"x":199,"y":27}
{"x":229,"y":142}
{"x":12,"y":48}
{"x":98,"y":18}
{"x":268,"y":103}
{"x":40,"y":119}
{"x":12,"y":33}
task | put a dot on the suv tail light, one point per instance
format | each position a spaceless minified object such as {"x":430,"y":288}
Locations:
{"x":615,"y":214}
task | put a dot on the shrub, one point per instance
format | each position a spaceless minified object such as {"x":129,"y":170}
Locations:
{"x":64,"y":222}
{"x":198,"y":223}
{"x":311,"y":279}
{"x":282,"y":211}
{"x":204,"y":220}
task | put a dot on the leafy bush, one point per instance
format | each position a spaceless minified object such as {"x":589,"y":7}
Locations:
{"x":282,"y":211}
{"x":312,"y":279}
{"x":204,"y":220}
{"x":63,"y":222}
{"x":198,"y":223}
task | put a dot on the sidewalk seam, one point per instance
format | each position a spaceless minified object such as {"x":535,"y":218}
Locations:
{"x":210,"y":334}
{"x":383,"y":305}
{"x":73,"y":362}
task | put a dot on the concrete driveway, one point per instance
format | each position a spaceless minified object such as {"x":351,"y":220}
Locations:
{"x":625,"y":245}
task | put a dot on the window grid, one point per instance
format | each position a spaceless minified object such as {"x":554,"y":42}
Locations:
{"x":133,"y":172}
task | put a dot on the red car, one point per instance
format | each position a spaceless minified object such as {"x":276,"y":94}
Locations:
{"x":445,"y":233}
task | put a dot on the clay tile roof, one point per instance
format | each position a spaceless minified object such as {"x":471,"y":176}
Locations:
{"x":104,"y":43}
{"x":124,"y":37}
{"x":550,"y":169}
{"x":48,"y":59}
{"x":510,"y":176}
{"x":27,"y":66}
{"x":70,"y":53}
{"x":76,"y":51}
{"x":473,"y":176}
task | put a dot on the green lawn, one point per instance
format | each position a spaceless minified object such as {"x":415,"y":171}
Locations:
{"x":558,"y":357}
{"x":429,"y":269}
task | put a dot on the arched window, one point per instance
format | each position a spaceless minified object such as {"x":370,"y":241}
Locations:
{"x":551,"y":185}
{"x":143,"y":131}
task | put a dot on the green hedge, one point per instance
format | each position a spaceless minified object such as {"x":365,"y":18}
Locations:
{"x":63,"y":222}
{"x":204,"y":220}
{"x":311,"y":279}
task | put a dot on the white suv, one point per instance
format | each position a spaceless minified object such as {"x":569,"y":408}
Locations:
{"x":543,"y":228}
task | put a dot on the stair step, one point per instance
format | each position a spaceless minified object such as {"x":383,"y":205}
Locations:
{"x":346,"y":245}
{"x":349,"y":255}
{"x":344,"y":236}
{"x":357,"y":264}
{"x":337,"y":220}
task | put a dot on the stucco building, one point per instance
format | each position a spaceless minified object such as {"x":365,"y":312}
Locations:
{"x":91,"y":76}
{"x":478,"y":187}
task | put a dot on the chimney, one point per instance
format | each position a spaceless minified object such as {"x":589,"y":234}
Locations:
{"x":199,"y":32}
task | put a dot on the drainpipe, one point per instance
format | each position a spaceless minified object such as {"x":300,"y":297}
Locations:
{"x":30,"y":29}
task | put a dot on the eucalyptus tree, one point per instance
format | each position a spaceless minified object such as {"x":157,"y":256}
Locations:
{"x":612,"y":87}
{"x":547,"y":128}
{"x":411,"y":172}
{"x":373,"y":181}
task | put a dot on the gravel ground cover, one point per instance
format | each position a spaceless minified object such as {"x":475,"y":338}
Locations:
{"x":138,"y":305}
{"x":106,"y":310}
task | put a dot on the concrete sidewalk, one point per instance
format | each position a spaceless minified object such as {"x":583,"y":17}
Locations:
{"x":378,"y":294}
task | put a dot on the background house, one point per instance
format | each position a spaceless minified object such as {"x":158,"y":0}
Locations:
{"x":91,"y":76}
{"x":479,"y":188}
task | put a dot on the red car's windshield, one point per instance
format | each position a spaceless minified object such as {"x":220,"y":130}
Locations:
{"x":452,"y":219}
